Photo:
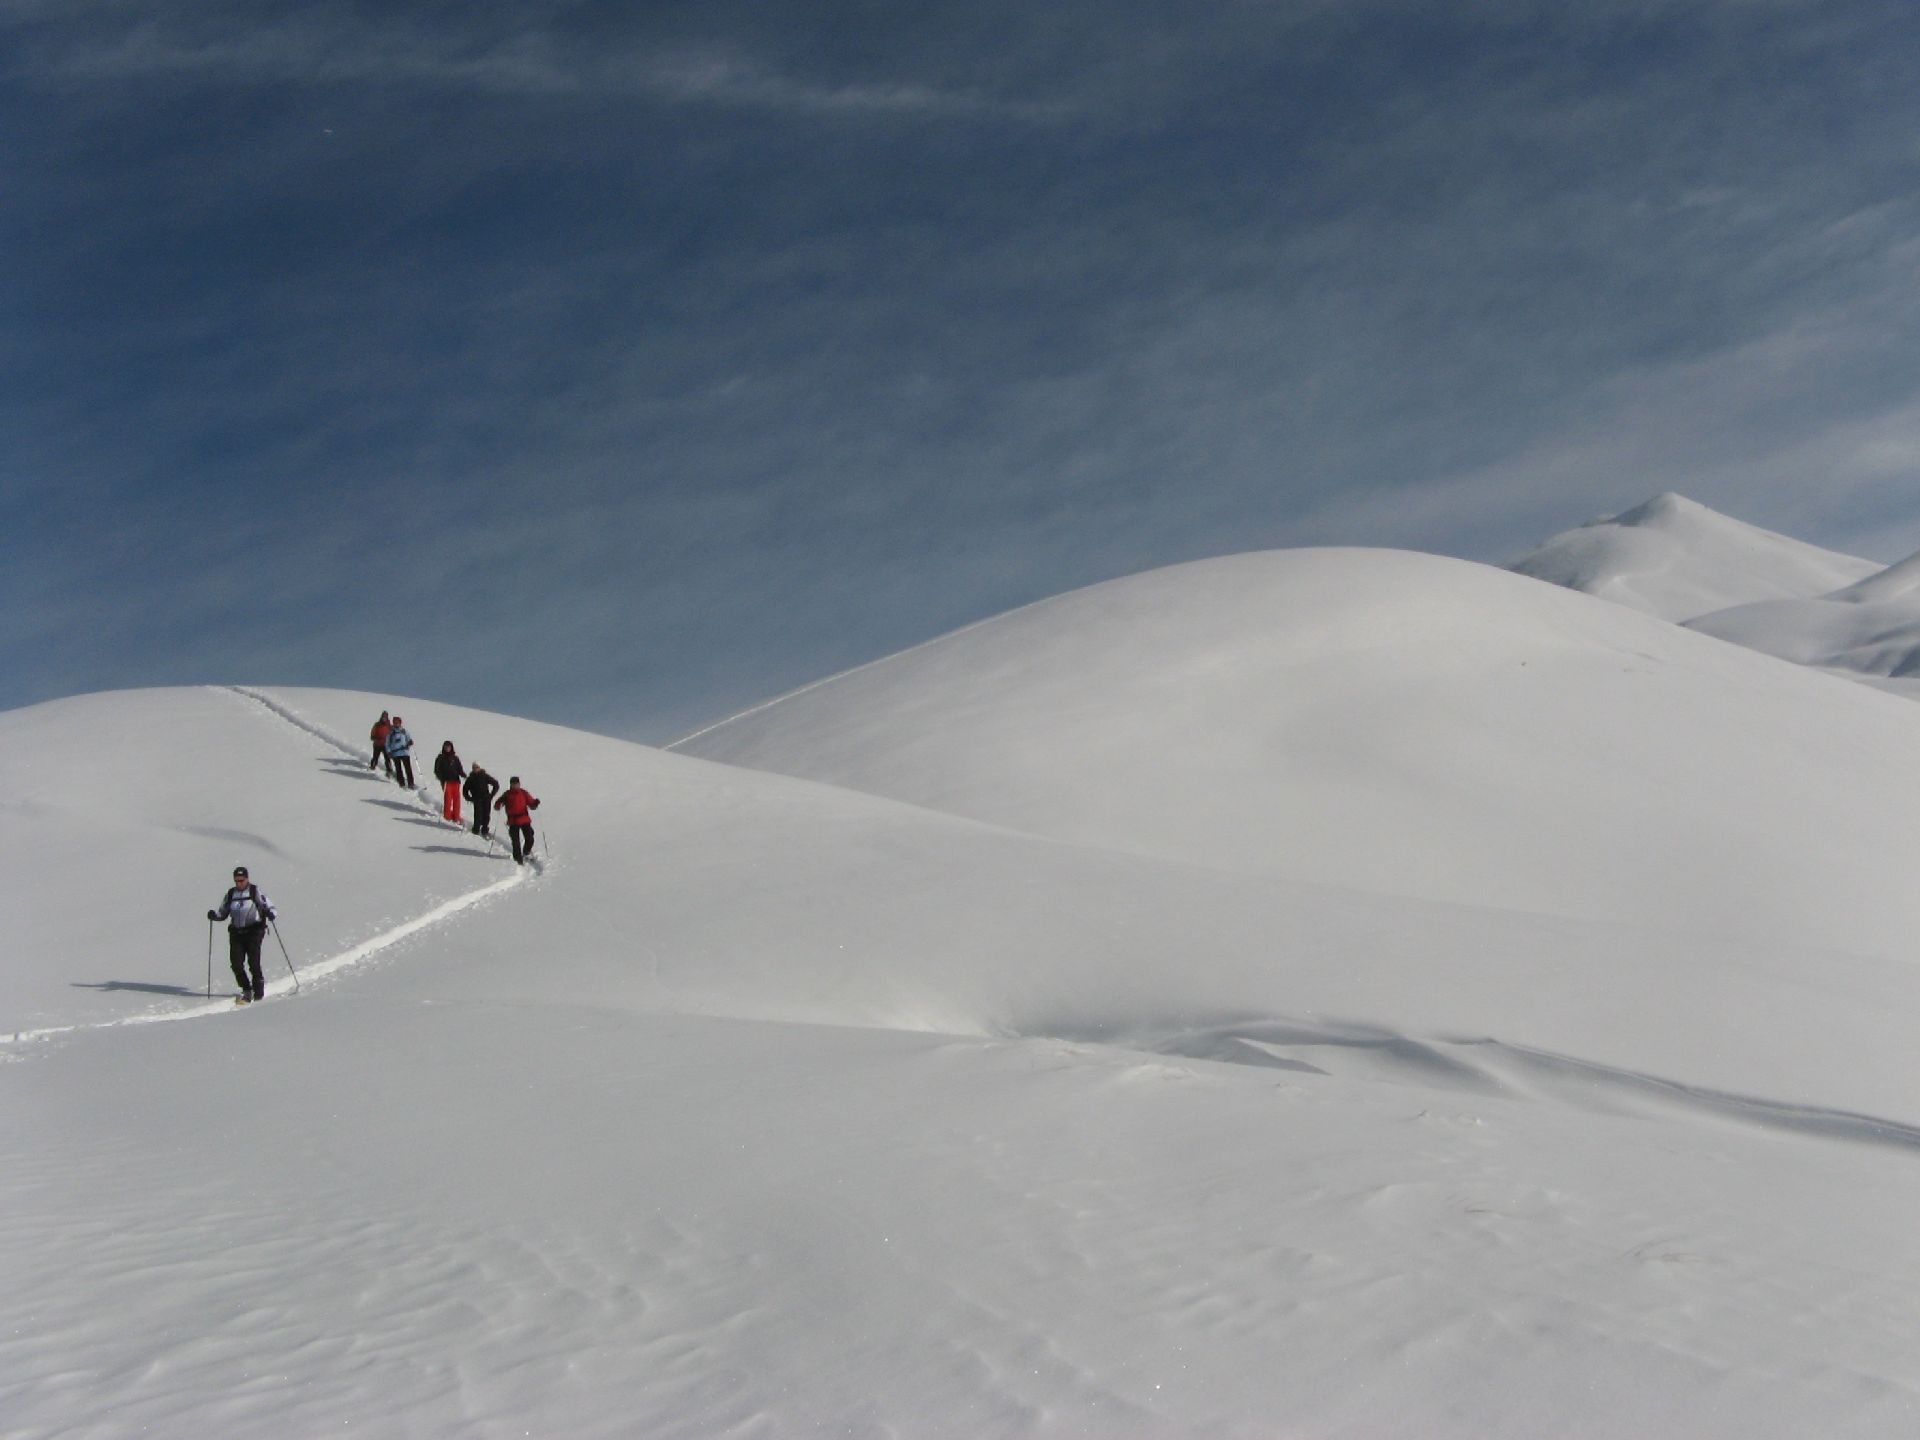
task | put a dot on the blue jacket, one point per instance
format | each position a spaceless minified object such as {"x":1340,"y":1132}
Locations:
{"x":399,"y":742}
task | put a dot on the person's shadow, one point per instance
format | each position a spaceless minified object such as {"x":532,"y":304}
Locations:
{"x":136,"y":986}
{"x":352,"y":769}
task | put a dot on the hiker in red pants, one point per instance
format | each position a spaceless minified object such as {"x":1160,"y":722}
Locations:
{"x":448,"y":770}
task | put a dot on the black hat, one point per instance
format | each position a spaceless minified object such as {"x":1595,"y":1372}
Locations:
{"x":240,"y":870}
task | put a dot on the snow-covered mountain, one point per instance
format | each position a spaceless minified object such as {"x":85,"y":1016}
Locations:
{"x":1400,"y":723}
{"x":1677,"y":559}
{"x":1329,"y":994}
{"x":1869,"y":629}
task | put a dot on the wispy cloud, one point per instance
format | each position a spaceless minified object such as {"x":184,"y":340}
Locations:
{"x":725,"y":81}
{"x":527,"y":62}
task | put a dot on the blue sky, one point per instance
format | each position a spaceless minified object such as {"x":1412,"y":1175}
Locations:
{"x":622,"y":365}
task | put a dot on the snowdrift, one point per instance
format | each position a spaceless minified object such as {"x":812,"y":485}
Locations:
{"x":1677,"y":559}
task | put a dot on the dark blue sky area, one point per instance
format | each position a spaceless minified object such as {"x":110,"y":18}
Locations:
{"x":623,"y":365}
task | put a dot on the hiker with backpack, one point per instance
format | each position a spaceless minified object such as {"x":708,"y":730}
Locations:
{"x":246,"y":910}
{"x":519,"y":806}
{"x":448,"y":770}
{"x":400,"y":753}
{"x":480,"y":790}
{"x":382,"y":728}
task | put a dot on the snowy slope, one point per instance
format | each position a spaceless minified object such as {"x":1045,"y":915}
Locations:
{"x":1871,"y":628}
{"x":767,"y":1107}
{"x":1677,"y":559}
{"x":1400,"y":723}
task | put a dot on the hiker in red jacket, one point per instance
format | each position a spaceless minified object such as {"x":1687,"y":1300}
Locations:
{"x":382,"y":728}
{"x":519,"y":806}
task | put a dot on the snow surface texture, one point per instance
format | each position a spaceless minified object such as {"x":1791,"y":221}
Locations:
{"x":1327,"y":994}
{"x":1677,"y":559}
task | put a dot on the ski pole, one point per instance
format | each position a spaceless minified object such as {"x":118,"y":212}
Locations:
{"x":209,"y":959}
{"x":275,"y":927}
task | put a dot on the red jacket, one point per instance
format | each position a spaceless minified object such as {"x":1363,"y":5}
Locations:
{"x":381,"y":729}
{"x":517,"y":803}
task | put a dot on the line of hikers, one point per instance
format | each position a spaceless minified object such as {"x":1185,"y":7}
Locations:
{"x":392,"y":743}
{"x":245,"y":907}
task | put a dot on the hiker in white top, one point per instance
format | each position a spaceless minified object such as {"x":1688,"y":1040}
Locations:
{"x":246,"y":910}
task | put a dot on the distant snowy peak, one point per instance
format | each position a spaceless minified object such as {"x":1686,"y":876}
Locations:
{"x":1870,"y":628}
{"x":1677,"y":559}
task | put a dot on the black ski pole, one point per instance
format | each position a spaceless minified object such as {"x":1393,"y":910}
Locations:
{"x":274,"y":925}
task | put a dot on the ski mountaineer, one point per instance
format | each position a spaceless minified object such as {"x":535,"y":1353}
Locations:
{"x":246,"y":910}
{"x":448,"y":770}
{"x":400,"y":753}
{"x":519,"y":806}
{"x":480,"y":790}
{"x":382,"y":728}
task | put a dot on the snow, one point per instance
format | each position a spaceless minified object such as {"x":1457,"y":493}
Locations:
{"x":1868,"y":629}
{"x":1677,"y":559}
{"x":1318,"y":993}
{"x":1400,"y":723}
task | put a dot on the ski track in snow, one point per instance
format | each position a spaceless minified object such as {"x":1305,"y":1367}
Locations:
{"x":318,"y":969}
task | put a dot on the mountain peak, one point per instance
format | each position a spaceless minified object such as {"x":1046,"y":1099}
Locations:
{"x":1678,"y":559}
{"x":1666,"y":508}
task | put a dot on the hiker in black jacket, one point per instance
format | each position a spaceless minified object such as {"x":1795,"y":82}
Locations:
{"x":448,"y":770}
{"x":480,"y":790}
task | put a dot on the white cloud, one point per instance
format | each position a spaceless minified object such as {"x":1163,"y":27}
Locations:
{"x":530,"y":63}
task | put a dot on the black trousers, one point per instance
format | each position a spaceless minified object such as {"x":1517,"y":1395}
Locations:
{"x":403,"y":770}
{"x":243,"y":952}
{"x":379,"y":754}
{"x":517,"y":831}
